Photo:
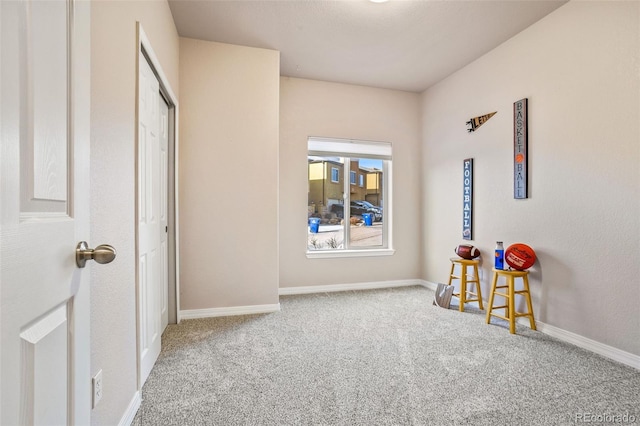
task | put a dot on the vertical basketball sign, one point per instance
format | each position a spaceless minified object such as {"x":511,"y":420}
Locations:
{"x":520,"y":149}
{"x":467,"y":199}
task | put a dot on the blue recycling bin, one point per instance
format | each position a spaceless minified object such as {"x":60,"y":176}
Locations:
{"x":368,"y":219}
{"x":314,"y":224}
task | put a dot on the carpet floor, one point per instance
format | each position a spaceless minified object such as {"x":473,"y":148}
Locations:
{"x":378,"y":357}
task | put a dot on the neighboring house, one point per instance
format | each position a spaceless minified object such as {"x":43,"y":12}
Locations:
{"x":358,"y":181}
{"x":374,"y":181}
{"x":326,"y":183}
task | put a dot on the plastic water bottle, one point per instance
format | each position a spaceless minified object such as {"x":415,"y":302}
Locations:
{"x":499,"y":259}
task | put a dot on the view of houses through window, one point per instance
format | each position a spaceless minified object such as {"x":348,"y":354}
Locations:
{"x":345,"y":215}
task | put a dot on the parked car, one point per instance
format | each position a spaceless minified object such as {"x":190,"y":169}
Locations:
{"x":368,"y":204}
{"x":357,"y":208}
{"x":370,"y":208}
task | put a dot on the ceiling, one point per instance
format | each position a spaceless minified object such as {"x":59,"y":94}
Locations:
{"x":402,"y":44}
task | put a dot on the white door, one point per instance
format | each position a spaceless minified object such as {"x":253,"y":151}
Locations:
{"x":152,"y":218}
{"x":44,"y":123}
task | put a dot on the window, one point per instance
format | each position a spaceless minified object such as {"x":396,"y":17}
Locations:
{"x":348,"y":218}
{"x":335,"y":175}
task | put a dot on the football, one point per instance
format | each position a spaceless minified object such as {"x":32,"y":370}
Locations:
{"x":466,"y":251}
{"x":520,"y":256}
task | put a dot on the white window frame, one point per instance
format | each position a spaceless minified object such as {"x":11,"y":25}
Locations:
{"x":337,"y":170}
{"x":349,"y":150}
{"x":353,"y":177}
{"x":361,"y":180}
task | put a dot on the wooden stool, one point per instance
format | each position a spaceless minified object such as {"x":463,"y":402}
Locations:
{"x":465,"y":278}
{"x":510,"y":308}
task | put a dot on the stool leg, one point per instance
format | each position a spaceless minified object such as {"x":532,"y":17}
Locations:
{"x":478,"y":290}
{"x":453,"y":265}
{"x":463,"y":287}
{"x":532,"y":322}
{"x":512,"y":304}
{"x":494,"y":281}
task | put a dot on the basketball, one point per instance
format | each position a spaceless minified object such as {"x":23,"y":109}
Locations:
{"x":520,"y":256}
{"x":466,"y":251}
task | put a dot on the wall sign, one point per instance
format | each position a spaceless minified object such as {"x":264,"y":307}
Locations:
{"x":467,"y":199}
{"x":476,"y":122}
{"x":520,"y":169}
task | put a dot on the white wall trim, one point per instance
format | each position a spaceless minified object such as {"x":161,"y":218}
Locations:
{"x":143,"y":43}
{"x":575,"y":339}
{"x":582,"y":342}
{"x":334,"y":254}
{"x":229,"y":311}
{"x":428,"y":284}
{"x":284,"y":291}
{"x":131,"y":410}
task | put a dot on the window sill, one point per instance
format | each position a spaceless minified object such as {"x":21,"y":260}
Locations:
{"x":328,"y":254}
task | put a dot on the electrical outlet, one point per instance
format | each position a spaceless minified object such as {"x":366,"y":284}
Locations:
{"x":97,"y":388}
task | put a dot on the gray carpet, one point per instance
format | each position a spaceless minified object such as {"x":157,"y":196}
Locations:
{"x":378,"y":357}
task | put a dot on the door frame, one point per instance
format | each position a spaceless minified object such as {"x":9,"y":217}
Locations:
{"x":145,"y":52}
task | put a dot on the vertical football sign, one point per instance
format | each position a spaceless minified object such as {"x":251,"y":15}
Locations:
{"x":520,"y":149}
{"x":467,"y":199}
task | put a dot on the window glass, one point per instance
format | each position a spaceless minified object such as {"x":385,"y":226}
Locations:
{"x":348,"y":215}
{"x":335,"y":175}
{"x":366,"y":229}
{"x":326,"y":231}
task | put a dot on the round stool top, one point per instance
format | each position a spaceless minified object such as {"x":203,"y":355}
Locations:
{"x":512,"y":273}
{"x":465,"y":261}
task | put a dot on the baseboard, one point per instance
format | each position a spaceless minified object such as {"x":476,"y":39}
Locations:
{"x":131,"y":411}
{"x":606,"y":351}
{"x":286,"y":291}
{"x":582,"y":342}
{"x":227,"y":312}
{"x":429,"y":285}
{"x":558,"y":333}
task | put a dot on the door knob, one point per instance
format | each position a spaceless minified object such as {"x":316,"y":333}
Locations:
{"x":104,"y":253}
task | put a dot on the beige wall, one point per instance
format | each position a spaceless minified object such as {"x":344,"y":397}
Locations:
{"x":314,"y":108}
{"x":113,"y":131}
{"x":579,"y":69}
{"x":228,"y":175}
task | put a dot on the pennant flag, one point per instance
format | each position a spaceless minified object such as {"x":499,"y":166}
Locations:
{"x":476,"y":122}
